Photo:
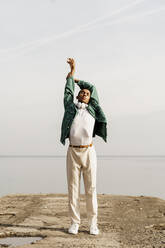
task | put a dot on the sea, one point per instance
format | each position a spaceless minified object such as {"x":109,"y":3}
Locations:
{"x":117,"y":175}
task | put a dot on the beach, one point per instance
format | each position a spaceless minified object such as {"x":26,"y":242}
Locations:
{"x":124,"y":221}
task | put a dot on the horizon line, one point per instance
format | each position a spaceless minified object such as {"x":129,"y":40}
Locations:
{"x":99,"y":156}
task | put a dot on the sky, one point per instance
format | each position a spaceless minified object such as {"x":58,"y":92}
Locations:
{"x":117,"y":45}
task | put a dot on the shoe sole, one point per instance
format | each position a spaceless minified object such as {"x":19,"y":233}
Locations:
{"x":72,"y":233}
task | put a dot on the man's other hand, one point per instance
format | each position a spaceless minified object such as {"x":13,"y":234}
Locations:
{"x":76,"y":80}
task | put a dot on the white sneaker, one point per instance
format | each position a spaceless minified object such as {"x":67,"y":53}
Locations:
{"x":94,"y":230}
{"x":73,"y":228}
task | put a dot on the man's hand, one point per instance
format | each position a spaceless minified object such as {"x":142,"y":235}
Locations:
{"x":76,"y":80}
{"x":71,"y":62}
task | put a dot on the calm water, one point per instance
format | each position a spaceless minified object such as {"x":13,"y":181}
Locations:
{"x":15,"y":241}
{"x":115,"y":175}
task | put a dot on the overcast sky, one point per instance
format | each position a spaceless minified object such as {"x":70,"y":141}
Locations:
{"x":117,"y":45}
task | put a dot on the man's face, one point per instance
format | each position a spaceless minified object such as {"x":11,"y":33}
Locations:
{"x":84,"y":96}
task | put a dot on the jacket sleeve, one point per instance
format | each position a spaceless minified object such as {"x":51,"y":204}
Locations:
{"x":91,"y":87}
{"x":69,"y":91}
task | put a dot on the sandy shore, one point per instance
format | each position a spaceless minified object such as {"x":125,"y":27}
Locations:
{"x":124,"y":221}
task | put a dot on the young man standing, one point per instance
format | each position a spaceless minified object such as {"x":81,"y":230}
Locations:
{"x":81,"y":122}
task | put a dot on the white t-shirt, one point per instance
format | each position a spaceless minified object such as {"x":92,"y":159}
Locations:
{"x":82,"y":126}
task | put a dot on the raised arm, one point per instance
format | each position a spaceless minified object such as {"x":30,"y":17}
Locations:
{"x":71,"y":62}
{"x":70,"y":84}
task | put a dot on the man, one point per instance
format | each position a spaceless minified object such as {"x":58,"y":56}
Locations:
{"x":81,"y":122}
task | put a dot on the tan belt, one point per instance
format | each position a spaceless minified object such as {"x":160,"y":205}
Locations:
{"x":81,"y":146}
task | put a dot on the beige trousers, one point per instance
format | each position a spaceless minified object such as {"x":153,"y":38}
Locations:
{"x":82,"y":160}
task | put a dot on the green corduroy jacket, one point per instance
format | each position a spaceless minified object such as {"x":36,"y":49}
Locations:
{"x":100,"y":127}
